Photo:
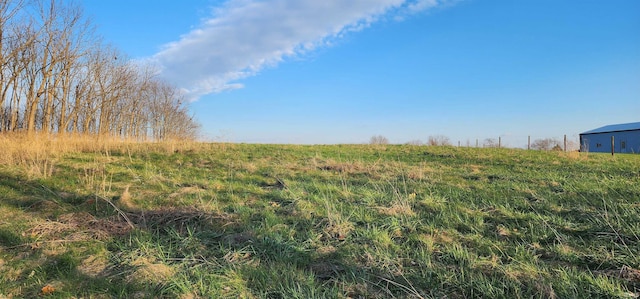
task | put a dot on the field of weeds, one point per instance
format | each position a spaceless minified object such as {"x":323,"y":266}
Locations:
{"x":106,"y":220}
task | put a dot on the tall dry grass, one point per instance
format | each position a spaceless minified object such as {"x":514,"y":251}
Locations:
{"x":38,"y":153}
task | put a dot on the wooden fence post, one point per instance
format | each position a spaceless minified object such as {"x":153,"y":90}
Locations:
{"x":612,"y":145}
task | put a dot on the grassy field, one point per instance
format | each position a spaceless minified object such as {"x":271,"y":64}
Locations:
{"x":340,"y":221}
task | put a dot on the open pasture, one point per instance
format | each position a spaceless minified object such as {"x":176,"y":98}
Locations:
{"x":325,"y":221}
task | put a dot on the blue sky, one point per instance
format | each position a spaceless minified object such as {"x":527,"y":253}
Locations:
{"x":334,"y":71}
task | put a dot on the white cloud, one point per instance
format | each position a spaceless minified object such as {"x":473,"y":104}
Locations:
{"x":244,"y":36}
{"x":420,"y":5}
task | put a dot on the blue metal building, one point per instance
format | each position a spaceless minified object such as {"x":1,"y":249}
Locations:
{"x":626,"y":139}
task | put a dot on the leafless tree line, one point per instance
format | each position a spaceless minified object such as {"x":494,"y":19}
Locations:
{"x":57,"y":76}
{"x":437,"y":140}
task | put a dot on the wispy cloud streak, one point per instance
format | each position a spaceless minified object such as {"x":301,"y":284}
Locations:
{"x":243,"y":37}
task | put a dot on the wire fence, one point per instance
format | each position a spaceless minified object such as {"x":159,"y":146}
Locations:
{"x":525,"y":142}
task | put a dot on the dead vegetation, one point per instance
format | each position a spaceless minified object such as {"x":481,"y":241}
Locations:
{"x":75,"y":227}
{"x":40,"y":153}
{"x":180,"y":218}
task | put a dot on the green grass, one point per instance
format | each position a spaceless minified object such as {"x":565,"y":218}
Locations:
{"x":339,"y":221}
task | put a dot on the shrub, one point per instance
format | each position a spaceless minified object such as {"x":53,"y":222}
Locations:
{"x":378,"y":139}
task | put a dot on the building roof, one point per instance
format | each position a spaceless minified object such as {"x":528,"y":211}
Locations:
{"x":615,"y":128}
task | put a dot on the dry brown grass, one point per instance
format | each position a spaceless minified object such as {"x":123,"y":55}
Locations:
{"x":338,"y":229}
{"x":576,"y":155}
{"x":38,"y":153}
{"x":150,"y":271}
{"x":184,"y":190}
{"x":348,"y":167}
{"x":94,"y":266}
{"x":626,"y":273}
{"x":126,"y":201}
{"x":80,"y":226}
{"x":398,"y":208}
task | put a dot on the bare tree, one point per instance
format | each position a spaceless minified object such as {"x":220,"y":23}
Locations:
{"x":490,"y":142}
{"x":546,"y":144}
{"x":56,"y":77}
{"x":378,"y":139}
{"x":74,"y":35}
{"x":438,"y":140}
{"x":9,"y":50}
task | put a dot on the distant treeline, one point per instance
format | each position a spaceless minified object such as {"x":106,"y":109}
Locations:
{"x":57,"y":76}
